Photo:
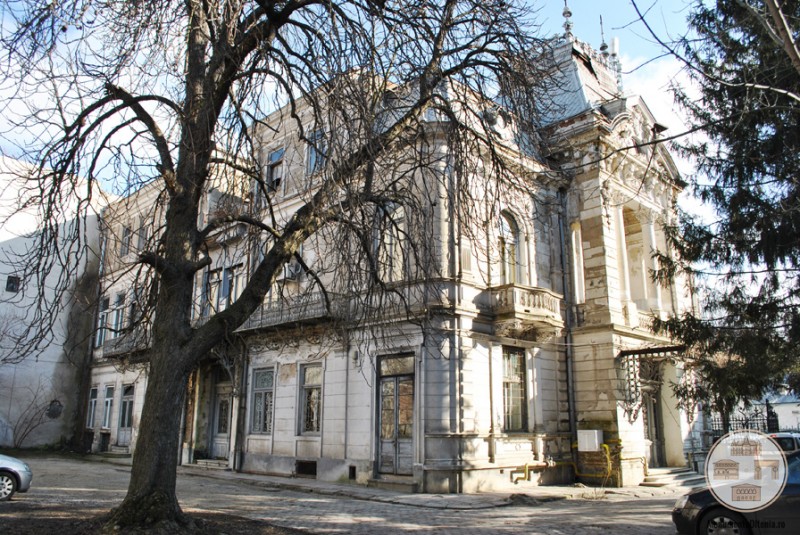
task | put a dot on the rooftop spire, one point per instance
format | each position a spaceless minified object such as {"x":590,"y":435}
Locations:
{"x":603,"y":45}
{"x":567,"y":13}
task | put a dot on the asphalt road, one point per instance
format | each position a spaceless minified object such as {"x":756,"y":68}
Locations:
{"x":71,"y":484}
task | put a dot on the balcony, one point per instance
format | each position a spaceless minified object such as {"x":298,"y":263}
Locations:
{"x":524,"y":312}
{"x":302,"y":309}
{"x":129,"y":342}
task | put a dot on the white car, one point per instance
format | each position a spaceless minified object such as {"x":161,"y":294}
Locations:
{"x":787,"y":441}
{"x":15,"y":476}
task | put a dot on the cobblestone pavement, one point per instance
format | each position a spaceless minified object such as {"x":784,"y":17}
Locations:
{"x":329,"y":508}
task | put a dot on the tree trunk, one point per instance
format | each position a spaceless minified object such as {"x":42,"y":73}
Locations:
{"x":151,"y":497}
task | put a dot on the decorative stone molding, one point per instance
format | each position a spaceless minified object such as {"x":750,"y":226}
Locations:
{"x":520,"y":330}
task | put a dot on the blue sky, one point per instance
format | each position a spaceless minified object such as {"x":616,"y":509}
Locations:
{"x":647,"y":72}
{"x":667,"y":17}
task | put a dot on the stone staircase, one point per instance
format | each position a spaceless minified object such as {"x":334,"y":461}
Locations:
{"x":211,"y":464}
{"x":674,"y":477}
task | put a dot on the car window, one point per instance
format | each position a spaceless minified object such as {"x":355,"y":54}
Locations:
{"x":794,"y":470}
{"x":786,"y":443}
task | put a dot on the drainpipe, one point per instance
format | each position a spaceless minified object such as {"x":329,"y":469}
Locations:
{"x":455,"y":275}
{"x":568,"y":302}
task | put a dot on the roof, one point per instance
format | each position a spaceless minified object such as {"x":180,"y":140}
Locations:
{"x":777,"y":398}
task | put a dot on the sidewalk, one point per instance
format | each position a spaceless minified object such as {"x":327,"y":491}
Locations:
{"x":523,"y":494}
{"x":515,"y":495}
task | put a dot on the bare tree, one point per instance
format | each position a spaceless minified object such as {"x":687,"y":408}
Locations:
{"x":40,"y":408}
{"x":171,"y":97}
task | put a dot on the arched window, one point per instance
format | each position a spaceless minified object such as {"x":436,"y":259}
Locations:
{"x":509,"y":249}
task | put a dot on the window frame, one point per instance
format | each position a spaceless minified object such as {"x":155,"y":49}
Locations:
{"x":108,"y":407}
{"x":212,"y":286}
{"x":391,"y":235}
{"x":13,"y":283}
{"x":510,"y":249}
{"x":305,"y":390}
{"x":118,"y":316}
{"x":126,"y":237}
{"x":91,"y":409}
{"x":515,"y":403}
{"x":316,"y":152}
{"x":126,"y":406}
{"x":102,"y":321}
{"x":275,"y":172}
{"x":142,"y":234}
{"x":262,"y":419}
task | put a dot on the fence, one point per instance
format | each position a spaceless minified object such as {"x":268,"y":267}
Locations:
{"x":756,"y":422}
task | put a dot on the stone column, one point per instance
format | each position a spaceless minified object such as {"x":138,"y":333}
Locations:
{"x":650,"y":246}
{"x":623,"y":265}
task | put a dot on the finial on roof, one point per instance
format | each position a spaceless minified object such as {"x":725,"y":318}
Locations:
{"x":603,"y":45}
{"x":615,"y":62}
{"x":567,"y":13}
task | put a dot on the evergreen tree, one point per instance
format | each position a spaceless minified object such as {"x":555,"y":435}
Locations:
{"x":744,"y":59}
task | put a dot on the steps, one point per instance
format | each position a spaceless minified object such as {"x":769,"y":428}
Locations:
{"x":674,"y":477}
{"x":116,"y":452}
{"x":211,"y":464}
{"x":394,"y":483}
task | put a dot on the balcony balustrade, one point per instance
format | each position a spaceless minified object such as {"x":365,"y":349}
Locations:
{"x":524,"y":312}
{"x":301,"y":309}
{"x":129,"y":342}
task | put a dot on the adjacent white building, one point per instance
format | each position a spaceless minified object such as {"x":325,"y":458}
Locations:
{"x":41,"y":392}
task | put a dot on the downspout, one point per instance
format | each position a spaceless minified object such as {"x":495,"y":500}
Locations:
{"x":454,"y":276}
{"x":347,"y":358}
{"x":568,"y":302}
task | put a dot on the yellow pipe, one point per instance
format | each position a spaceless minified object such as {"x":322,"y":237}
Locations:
{"x":526,"y":469}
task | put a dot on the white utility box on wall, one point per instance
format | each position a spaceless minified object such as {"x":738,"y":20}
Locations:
{"x":590,"y":439}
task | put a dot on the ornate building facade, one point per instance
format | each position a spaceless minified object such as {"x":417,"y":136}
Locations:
{"x":531,"y":357}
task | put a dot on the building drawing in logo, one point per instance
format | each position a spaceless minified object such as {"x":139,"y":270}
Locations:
{"x":726,"y":469}
{"x":773,"y":465}
{"x":745,"y":493}
{"x":745,"y":447}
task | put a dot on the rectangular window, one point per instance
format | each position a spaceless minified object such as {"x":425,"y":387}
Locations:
{"x":232,"y":285}
{"x":118,"y":316}
{"x":263,"y":395}
{"x":102,"y":321}
{"x":274,"y":177}
{"x":514,"y":391}
{"x":92,"y":409}
{"x":13,"y":283}
{"x":125,"y":241}
{"x":142,"y":234}
{"x":108,"y":405}
{"x":311,"y":399}
{"x":221,"y":288}
{"x":126,"y":407}
{"x":317,"y":153}
{"x":211,"y":287}
{"x":223,"y":416}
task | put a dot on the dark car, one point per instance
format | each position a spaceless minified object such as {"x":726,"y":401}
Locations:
{"x":699,"y":512}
